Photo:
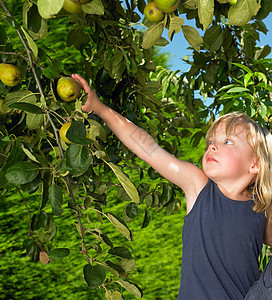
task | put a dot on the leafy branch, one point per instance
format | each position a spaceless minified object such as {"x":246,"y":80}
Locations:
{"x":31,"y":63}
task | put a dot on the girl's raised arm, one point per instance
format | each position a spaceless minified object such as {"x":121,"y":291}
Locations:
{"x":187,"y":176}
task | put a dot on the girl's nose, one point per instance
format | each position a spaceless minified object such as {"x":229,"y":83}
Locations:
{"x":213,"y":147}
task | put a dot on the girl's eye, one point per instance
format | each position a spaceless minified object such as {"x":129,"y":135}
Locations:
{"x":209,"y":143}
{"x":228,"y":142}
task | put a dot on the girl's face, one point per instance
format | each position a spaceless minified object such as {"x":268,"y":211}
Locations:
{"x":228,"y":158}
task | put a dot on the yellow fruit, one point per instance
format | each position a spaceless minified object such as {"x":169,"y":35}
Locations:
{"x":81,"y":1}
{"x":68,"y":89}
{"x":152,"y":13}
{"x":72,"y":7}
{"x":10,"y":75}
{"x":63,"y":131}
{"x":167,"y":6}
{"x":232,"y":2}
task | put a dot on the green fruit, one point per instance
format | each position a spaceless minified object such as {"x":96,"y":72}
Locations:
{"x":152,"y":13}
{"x":10,"y":75}
{"x":81,"y":1}
{"x":68,"y":89}
{"x":167,"y":6}
{"x":232,"y":2}
{"x":72,"y":7}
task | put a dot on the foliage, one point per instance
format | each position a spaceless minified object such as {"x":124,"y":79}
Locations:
{"x":103,"y":44}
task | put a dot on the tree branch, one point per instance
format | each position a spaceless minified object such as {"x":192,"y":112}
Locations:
{"x":28,"y":212}
{"x":28,"y":51}
{"x":23,"y":56}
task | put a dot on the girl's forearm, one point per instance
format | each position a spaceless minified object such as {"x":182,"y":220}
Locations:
{"x":133,"y":137}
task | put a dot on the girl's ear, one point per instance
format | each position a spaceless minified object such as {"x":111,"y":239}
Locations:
{"x":255,"y":167}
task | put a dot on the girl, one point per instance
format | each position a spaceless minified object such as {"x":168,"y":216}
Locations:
{"x":228,"y":202}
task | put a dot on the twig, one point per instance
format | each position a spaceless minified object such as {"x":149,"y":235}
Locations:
{"x":21,"y":55}
{"x":28,"y":212}
{"x":84,"y":248}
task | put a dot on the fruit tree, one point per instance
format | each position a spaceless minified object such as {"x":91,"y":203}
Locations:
{"x":76,"y":167}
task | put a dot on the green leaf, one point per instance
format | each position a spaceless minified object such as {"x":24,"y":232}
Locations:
{"x":16,"y":154}
{"x":245,"y":68}
{"x":116,"y":295}
{"x":166,"y":193}
{"x":95,"y":7}
{"x":27,"y":107}
{"x":3,"y":36}
{"x":262,"y":52}
{"x":22,"y":172}
{"x":151,"y":87}
{"x":132,"y":210}
{"x":190,"y":4}
{"x":117,"y":65}
{"x":217,"y":43}
{"x":147,"y":219}
{"x":49,"y":8}
{"x":120,"y":225}
{"x":192,"y":36}
{"x":125,"y":182}
{"x":77,"y":159}
{"x":131,"y":287}
{"x":77,"y":133}
{"x":96,"y":130}
{"x":18,"y":96}
{"x":39,"y":220}
{"x":32,"y":45}
{"x":242,"y":12}
{"x":34,"y":121}
{"x":205,"y":12}
{"x":152,"y":34}
{"x":55,"y":198}
{"x":59,"y":253}
{"x":175,"y":25}
{"x":30,"y":155}
{"x":120,"y":252}
{"x":128,"y":265}
{"x":94,"y":275}
{"x":77,"y":37}
{"x":161,"y":42}
{"x":238,"y":89}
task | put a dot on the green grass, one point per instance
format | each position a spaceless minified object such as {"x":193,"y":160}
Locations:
{"x":156,"y":248}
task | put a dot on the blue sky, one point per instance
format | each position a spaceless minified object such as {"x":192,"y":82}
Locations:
{"x":178,"y":47}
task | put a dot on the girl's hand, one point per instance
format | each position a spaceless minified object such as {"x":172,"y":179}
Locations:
{"x":93,"y":103}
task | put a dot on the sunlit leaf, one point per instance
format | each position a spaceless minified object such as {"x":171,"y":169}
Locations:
{"x":192,"y":36}
{"x":49,"y":8}
{"x":205,"y":12}
{"x":125,"y":182}
{"x":242,"y":12}
{"x":152,"y":34}
{"x":131,"y":287}
{"x":94,"y":7}
{"x":120,"y":226}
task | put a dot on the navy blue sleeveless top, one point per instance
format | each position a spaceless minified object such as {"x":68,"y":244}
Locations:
{"x":222,"y":239}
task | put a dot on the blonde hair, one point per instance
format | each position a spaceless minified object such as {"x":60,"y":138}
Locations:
{"x":260,"y":140}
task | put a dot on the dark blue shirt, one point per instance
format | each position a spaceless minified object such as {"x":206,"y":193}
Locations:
{"x":222,"y":239}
